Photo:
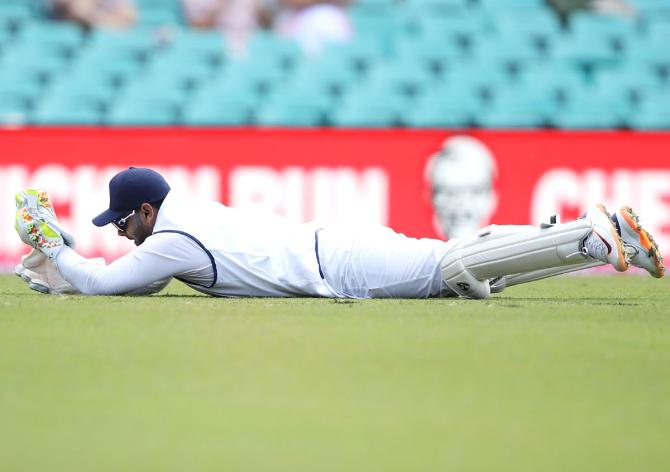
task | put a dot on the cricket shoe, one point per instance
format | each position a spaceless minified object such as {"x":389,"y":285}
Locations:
{"x":604,"y":243}
{"x":640,"y":246}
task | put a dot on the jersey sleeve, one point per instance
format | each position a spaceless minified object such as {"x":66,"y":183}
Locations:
{"x":141,"y":271}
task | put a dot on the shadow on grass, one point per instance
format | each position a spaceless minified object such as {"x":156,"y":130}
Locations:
{"x":559,"y":301}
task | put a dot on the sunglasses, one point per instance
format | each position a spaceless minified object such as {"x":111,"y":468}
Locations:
{"x":122,"y":223}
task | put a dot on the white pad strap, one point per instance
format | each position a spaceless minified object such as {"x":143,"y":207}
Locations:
{"x":516,"y":279}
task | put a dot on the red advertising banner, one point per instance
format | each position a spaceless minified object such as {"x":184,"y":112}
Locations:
{"x":422,"y":183}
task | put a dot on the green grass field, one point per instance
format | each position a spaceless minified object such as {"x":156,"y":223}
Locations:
{"x":561,"y":375}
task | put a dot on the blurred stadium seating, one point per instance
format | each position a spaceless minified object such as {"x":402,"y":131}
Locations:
{"x":414,"y":63}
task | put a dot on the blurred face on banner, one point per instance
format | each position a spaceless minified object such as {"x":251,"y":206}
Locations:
{"x":461,"y":177}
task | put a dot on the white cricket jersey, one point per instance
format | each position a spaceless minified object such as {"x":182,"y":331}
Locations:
{"x":215,"y":249}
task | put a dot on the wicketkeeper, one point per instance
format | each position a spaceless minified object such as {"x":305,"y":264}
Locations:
{"x":225,"y":251}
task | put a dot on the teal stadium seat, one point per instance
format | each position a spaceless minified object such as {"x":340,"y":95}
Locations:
{"x":135,"y":45}
{"x":262,"y":72}
{"x":222,"y":102}
{"x":14,"y":13}
{"x":405,"y":76}
{"x":29,"y":61}
{"x":595,"y":108}
{"x":632,"y":81}
{"x":18,"y":94}
{"x":369,"y":106}
{"x":613,"y":30}
{"x":426,"y":8}
{"x":187,"y":69}
{"x":517,"y":107}
{"x":14,"y":110}
{"x":537,"y":24}
{"x":462,"y":29}
{"x":562,"y":79}
{"x":298,"y":105}
{"x":68,"y":110}
{"x":333,"y":75}
{"x":156,"y":13}
{"x":507,"y":50}
{"x":649,"y":53}
{"x":359,"y":54}
{"x":652,"y":8}
{"x":143,"y":112}
{"x":202,"y":46}
{"x":149,"y":100}
{"x":584,"y":51}
{"x":266,"y":47}
{"x":63,"y":39}
{"x":385,"y":25}
{"x":443,"y":106}
{"x":479,"y":78}
{"x":654,"y":113}
{"x":510,"y":5}
{"x":434,"y":52}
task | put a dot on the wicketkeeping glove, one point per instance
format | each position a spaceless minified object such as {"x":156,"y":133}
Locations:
{"x":36,"y":224}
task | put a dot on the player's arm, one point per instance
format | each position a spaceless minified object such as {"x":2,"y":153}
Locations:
{"x":160,"y":257}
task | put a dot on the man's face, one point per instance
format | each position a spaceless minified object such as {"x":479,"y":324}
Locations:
{"x":137,"y":229}
{"x":462,"y":197}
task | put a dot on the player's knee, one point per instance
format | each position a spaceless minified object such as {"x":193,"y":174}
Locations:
{"x":459,"y":280}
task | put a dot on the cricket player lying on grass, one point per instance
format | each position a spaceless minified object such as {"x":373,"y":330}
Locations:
{"x":226,"y":251}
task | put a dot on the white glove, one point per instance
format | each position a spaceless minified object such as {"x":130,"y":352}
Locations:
{"x":36,"y":223}
{"x":41,"y":274}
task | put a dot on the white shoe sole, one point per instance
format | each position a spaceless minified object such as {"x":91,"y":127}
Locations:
{"x":645,"y":240}
{"x":620,"y":263}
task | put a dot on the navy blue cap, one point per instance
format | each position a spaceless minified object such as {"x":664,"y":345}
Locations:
{"x":129,"y":189}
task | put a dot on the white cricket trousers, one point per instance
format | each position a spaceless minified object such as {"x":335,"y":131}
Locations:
{"x":377,"y":262}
